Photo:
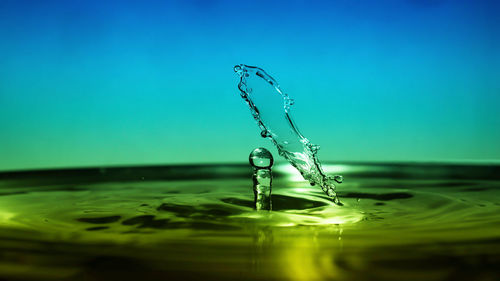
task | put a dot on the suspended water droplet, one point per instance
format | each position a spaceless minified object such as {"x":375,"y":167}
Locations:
{"x":264,"y":134}
{"x":338,"y":178}
{"x":314,"y":148}
{"x":261,"y":158}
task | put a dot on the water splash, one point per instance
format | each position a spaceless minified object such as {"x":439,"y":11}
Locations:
{"x":264,"y":96}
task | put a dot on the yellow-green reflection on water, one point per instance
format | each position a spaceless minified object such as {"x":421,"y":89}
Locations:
{"x":406,"y":222}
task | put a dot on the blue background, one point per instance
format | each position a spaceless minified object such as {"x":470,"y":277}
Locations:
{"x":89,"y":83}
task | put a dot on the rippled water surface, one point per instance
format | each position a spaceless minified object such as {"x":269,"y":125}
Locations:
{"x":398,"y":222}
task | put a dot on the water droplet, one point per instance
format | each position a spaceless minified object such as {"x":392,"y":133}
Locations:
{"x":314,"y":148}
{"x":264,"y":134}
{"x":261,"y":158}
{"x":338,"y":178}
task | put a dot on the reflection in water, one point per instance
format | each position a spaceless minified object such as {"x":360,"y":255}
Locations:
{"x":263,"y":242}
{"x":276,"y":255}
{"x":308,"y":259}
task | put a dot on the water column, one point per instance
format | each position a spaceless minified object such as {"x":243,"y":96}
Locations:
{"x":262,"y":161}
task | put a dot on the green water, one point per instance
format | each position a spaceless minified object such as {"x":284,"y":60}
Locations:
{"x":398,"y":222}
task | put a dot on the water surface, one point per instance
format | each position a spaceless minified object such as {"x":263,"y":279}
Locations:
{"x":398,"y":222}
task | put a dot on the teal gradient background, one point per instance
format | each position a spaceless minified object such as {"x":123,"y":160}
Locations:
{"x":100,"y":83}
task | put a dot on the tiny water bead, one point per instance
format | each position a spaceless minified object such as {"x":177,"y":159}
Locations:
{"x":338,"y":178}
{"x":271,"y":107}
{"x":261,"y":158}
{"x":262,"y":161}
